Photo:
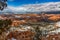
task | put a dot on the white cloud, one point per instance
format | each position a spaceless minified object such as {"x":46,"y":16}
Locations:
{"x":51,"y":6}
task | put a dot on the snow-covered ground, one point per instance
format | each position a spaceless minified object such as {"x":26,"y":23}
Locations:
{"x":58,"y":24}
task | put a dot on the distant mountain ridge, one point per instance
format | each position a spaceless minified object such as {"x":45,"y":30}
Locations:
{"x":53,"y":12}
{"x":48,"y":12}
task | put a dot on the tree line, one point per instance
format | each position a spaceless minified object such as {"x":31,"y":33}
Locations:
{"x":4,"y":25}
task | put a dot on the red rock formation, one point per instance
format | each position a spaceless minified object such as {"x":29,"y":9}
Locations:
{"x":25,"y":35}
{"x":51,"y":37}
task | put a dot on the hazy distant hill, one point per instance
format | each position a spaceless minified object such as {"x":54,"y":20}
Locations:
{"x":49,"y":12}
{"x":53,"y":12}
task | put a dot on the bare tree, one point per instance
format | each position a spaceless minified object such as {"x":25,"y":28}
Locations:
{"x":3,"y":4}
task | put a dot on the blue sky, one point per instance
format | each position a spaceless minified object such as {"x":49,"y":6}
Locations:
{"x":32,"y":5}
{"x":22,"y":2}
